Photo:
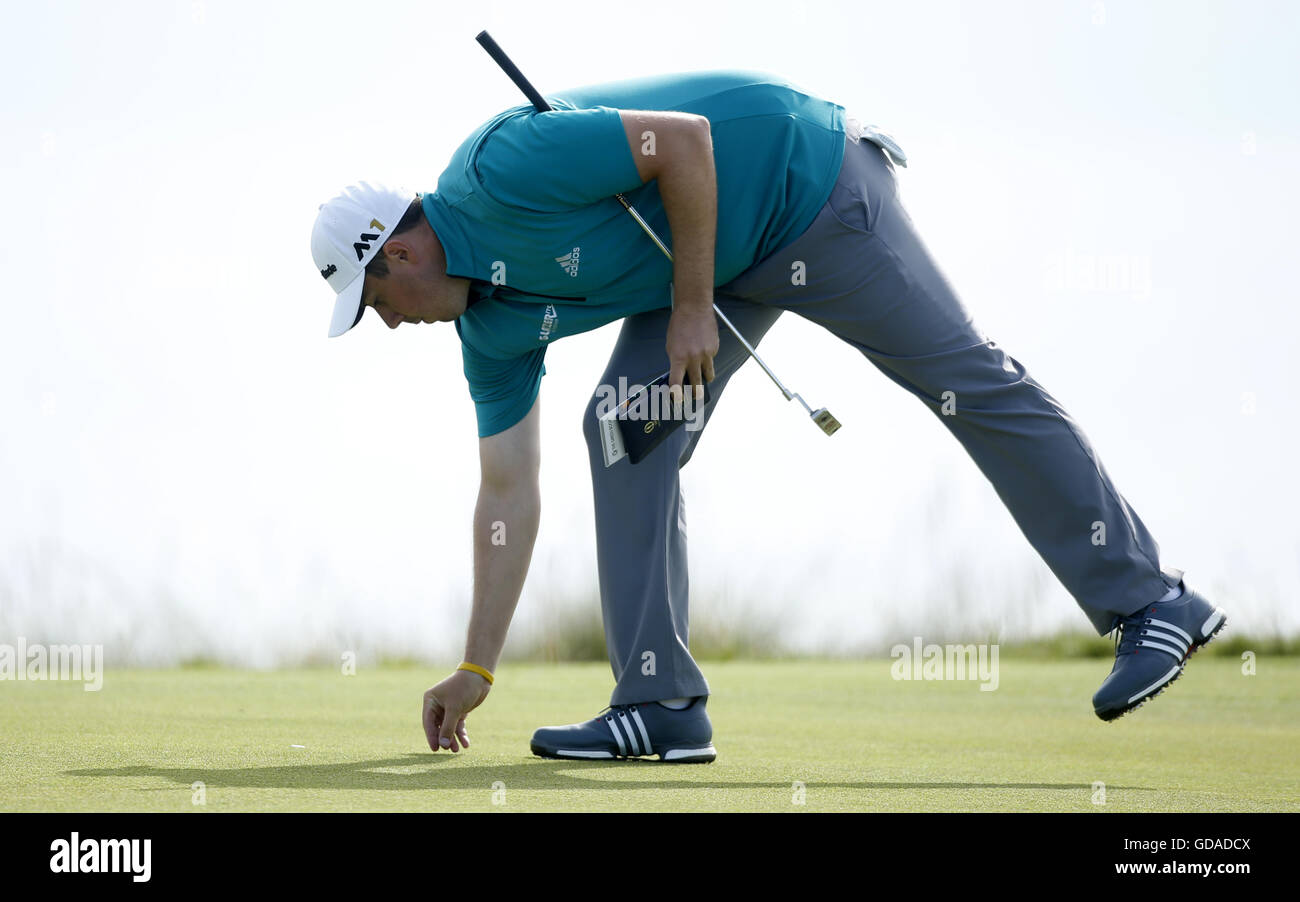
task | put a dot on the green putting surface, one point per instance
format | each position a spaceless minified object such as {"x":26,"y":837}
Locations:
{"x":791,"y":736}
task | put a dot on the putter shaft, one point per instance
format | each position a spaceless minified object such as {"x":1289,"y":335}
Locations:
{"x":822,"y":417}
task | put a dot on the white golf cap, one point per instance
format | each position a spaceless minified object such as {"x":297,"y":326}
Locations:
{"x":349,"y":231}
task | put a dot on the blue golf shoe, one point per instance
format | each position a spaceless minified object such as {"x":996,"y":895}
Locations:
{"x":633,"y":731}
{"x":1152,"y":647}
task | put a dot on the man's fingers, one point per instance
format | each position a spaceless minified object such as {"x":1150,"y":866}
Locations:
{"x":432,"y":718}
{"x":697,"y":381}
{"x":676,"y":372}
{"x":447,"y":734}
{"x":461,"y":734}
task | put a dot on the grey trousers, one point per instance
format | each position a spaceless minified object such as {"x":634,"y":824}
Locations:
{"x":868,"y":279}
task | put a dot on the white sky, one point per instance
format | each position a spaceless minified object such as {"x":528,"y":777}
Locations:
{"x":187,"y":464}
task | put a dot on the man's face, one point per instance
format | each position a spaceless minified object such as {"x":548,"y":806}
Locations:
{"x":417,"y":289}
{"x":398,"y":299}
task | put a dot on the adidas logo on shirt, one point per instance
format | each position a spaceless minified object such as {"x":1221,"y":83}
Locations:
{"x":570,"y":261}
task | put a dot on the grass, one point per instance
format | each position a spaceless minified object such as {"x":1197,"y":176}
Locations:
{"x":854,"y":738}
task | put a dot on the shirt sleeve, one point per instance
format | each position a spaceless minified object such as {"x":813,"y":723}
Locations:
{"x":558,"y":160}
{"x":503,"y":390}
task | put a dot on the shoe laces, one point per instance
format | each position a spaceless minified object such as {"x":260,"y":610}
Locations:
{"x":1128,"y":629}
{"x":618,"y":710}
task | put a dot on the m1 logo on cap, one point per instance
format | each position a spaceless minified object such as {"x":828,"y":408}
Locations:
{"x":366,"y":237}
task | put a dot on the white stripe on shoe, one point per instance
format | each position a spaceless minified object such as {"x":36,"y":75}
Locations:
{"x":636,"y":716}
{"x":1170,"y":627}
{"x":678,"y":754}
{"x":583,"y":753}
{"x":1157,"y":684}
{"x":1168,"y":638}
{"x":1211,"y":622}
{"x":631,"y":737}
{"x":1178,"y":654}
{"x":622,"y":747}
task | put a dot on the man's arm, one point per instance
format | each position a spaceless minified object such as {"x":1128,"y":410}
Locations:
{"x":677,"y":150}
{"x":505,"y":528}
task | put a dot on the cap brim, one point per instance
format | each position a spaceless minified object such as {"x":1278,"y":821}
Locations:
{"x":347,"y":306}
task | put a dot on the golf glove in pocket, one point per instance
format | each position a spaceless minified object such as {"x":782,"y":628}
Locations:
{"x":856,"y":131}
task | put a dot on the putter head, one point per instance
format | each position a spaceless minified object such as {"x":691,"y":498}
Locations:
{"x":827,"y":422}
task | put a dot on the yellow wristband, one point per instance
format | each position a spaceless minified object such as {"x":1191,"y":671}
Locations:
{"x":474,"y":668}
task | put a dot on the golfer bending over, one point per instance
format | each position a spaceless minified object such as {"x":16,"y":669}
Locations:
{"x":771,"y":200}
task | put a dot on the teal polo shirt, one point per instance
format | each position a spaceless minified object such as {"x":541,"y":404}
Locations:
{"x":525,"y":210}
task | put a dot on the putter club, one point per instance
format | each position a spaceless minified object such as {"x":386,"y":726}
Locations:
{"x":822,"y":417}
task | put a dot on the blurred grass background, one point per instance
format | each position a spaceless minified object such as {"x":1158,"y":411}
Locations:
{"x":574,"y":633}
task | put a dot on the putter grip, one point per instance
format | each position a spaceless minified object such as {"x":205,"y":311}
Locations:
{"x":494,"y":50}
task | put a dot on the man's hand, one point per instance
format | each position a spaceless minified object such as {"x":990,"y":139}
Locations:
{"x":692,"y":345}
{"x":445,"y":707}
